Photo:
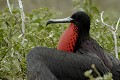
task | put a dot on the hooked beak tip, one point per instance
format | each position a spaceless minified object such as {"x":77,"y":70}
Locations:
{"x":49,"y":22}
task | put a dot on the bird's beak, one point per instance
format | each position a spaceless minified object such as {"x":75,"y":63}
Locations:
{"x":64,"y":20}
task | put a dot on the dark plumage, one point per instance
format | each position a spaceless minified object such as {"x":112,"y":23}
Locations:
{"x":80,"y":51}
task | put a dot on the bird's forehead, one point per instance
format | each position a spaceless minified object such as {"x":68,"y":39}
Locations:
{"x":80,"y":15}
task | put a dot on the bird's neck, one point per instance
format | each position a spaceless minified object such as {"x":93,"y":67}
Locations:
{"x":81,"y":40}
{"x":71,"y":38}
{"x":68,"y":39}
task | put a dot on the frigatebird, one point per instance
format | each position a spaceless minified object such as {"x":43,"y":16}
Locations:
{"x":75,"y":53}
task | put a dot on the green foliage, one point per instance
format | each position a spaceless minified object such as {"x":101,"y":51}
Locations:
{"x":105,"y":77}
{"x":88,"y":74}
{"x":13,"y":53}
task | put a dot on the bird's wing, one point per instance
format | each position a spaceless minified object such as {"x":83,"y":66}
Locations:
{"x":36,"y":69}
{"x":116,"y":67}
{"x":61,"y":64}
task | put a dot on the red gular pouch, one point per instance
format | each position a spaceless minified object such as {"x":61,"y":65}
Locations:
{"x":68,"y":39}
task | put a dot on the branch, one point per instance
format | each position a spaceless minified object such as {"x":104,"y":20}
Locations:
{"x":8,"y":3}
{"x":113,"y":30}
{"x":23,"y":21}
{"x":110,"y":27}
{"x":117,"y":24}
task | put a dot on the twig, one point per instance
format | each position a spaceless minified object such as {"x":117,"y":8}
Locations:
{"x":117,"y":24}
{"x":4,"y":54}
{"x":23,"y":21}
{"x":113,"y":30}
{"x":110,"y":27}
{"x":8,"y":3}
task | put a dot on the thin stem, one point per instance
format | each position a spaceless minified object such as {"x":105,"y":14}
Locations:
{"x":115,"y":43}
{"x":8,"y":3}
{"x":117,"y":24}
{"x":23,"y":21}
{"x":113,"y":30}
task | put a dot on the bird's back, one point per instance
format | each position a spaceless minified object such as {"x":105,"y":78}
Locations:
{"x":93,"y":47}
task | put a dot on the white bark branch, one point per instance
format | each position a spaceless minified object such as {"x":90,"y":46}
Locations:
{"x":113,"y":30}
{"x":8,"y":4}
{"x":23,"y":21}
{"x":117,"y":24}
{"x":110,"y":27}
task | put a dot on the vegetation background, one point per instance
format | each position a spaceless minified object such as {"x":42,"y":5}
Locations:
{"x":37,"y":12}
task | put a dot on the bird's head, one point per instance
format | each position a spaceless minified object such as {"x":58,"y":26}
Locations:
{"x":80,"y":19}
{"x":78,"y":29}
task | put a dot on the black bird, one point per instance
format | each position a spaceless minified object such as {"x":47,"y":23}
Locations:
{"x":75,"y":54}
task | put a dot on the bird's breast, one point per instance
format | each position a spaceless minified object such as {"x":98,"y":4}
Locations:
{"x":68,"y":39}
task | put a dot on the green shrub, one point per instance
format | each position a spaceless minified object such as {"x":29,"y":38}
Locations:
{"x":13,"y":53}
